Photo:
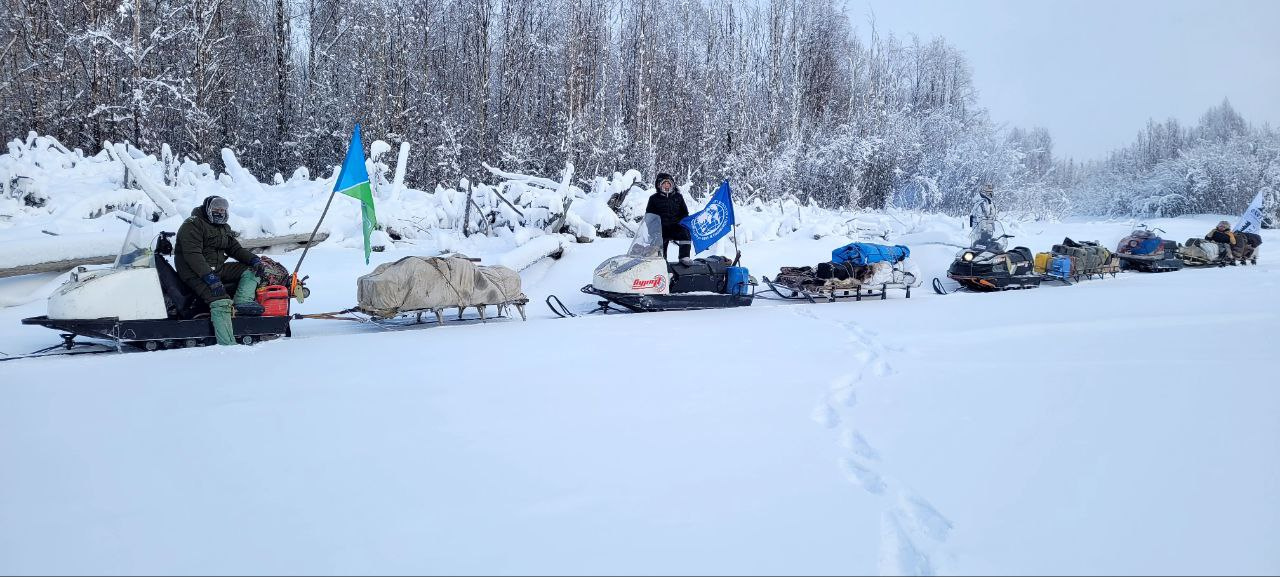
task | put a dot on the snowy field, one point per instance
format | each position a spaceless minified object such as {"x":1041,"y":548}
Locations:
{"x":1125,"y":426}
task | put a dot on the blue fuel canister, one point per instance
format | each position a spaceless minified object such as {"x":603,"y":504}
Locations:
{"x":738,"y":280}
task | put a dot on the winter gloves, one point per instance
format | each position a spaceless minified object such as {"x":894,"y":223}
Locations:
{"x":259,"y":267}
{"x":215,"y":285}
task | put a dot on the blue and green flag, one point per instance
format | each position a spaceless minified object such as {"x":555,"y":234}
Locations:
{"x":353,"y":181}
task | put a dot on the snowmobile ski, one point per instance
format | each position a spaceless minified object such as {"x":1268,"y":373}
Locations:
{"x":68,"y":347}
{"x":562,"y":311}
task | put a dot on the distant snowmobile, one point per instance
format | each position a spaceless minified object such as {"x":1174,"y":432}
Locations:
{"x":987,"y":266}
{"x":1143,"y":250}
{"x":643,"y":281}
{"x":141,"y":303}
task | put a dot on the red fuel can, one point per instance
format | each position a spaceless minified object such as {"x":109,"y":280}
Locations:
{"x":275,"y":299}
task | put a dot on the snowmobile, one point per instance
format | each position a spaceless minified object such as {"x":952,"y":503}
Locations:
{"x":140,"y":302}
{"x":986,"y":266}
{"x":1143,"y":250}
{"x":643,"y":281}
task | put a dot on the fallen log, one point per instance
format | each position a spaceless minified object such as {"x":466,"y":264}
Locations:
{"x":257,"y":245}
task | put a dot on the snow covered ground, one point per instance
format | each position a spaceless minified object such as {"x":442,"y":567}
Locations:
{"x":1122,"y":426}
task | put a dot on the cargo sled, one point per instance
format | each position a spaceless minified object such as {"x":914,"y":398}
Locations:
{"x":856,"y":270}
{"x":1073,"y":261}
{"x":1198,"y":252}
{"x":416,"y":287}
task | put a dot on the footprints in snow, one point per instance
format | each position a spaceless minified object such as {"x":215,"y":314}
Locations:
{"x":911,"y":535}
{"x":911,"y":530}
{"x":854,"y":442}
{"x":863,"y":476}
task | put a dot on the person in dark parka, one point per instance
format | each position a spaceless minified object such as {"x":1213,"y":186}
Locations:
{"x":205,"y":243}
{"x":668,"y":204}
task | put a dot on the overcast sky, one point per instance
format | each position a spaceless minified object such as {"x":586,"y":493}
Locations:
{"x":1093,"y":72}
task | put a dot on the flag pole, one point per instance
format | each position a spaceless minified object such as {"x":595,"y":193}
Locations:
{"x":293,"y":278}
{"x":737,"y":252}
{"x":307,"y":246}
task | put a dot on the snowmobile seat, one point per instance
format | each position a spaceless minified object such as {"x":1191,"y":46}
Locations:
{"x":1021,"y":254}
{"x":180,"y":301}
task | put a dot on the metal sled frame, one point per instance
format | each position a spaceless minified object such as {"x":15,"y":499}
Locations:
{"x":400,"y":319}
{"x":832,"y":294}
{"x":1111,"y":267}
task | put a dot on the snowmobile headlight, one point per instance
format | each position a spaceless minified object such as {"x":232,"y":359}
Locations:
{"x":968,"y":257}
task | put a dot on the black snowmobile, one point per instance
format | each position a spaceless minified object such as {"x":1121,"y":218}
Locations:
{"x":643,"y":281}
{"x":986,"y":266}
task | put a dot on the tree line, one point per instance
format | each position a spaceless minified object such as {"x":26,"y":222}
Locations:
{"x":783,"y":97}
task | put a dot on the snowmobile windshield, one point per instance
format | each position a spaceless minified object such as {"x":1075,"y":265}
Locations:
{"x":136,"y":252}
{"x":648,"y":240}
{"x":987,"y":235}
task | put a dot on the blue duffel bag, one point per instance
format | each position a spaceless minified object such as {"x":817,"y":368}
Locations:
{"x":865,"y":253}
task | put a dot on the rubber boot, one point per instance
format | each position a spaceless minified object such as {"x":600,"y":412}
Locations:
{"x":220,"y":314}
{"x":246,"y":301}
{"x":247,"y":288}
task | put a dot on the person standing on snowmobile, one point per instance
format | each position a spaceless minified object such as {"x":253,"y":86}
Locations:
{"x":984,"y":213}
{"x":984,"y":207}
{"x":205,"y":242}
{"x":668,"y":204}
{"x":1222,"y":235}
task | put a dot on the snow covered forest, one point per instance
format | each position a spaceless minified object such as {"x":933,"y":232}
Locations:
{"x":785,"y":97}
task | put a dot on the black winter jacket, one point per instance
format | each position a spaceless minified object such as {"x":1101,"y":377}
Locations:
{"x":669,"y":207}
{"x":203,"y":247}
{"x":1225,"y":237}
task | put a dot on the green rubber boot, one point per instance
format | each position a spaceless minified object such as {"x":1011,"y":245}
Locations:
{"x":220,"y":314}
{"x":247,"y":288}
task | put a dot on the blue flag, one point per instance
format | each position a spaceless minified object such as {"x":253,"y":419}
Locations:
{"x":353,"y":181}
{"x":712,"y":222}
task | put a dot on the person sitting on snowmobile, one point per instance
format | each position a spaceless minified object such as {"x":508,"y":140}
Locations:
{"x":668,"y":204}
{"x":1222,"y":234}
{"x":205,"y":242}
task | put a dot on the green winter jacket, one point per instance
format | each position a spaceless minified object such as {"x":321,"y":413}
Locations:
{"x":203,"y":247}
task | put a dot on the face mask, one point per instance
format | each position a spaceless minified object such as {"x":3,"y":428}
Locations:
{"x":216,"y":211}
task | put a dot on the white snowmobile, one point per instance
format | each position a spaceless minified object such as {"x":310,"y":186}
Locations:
{"x":140,"y":302}
{"x":643,"y":281}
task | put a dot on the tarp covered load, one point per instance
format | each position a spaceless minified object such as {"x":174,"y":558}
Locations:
{"x":417,"y":283}
{"x":865,"y":253}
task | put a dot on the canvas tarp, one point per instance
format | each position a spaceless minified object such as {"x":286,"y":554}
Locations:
{"x":417,"y":283}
